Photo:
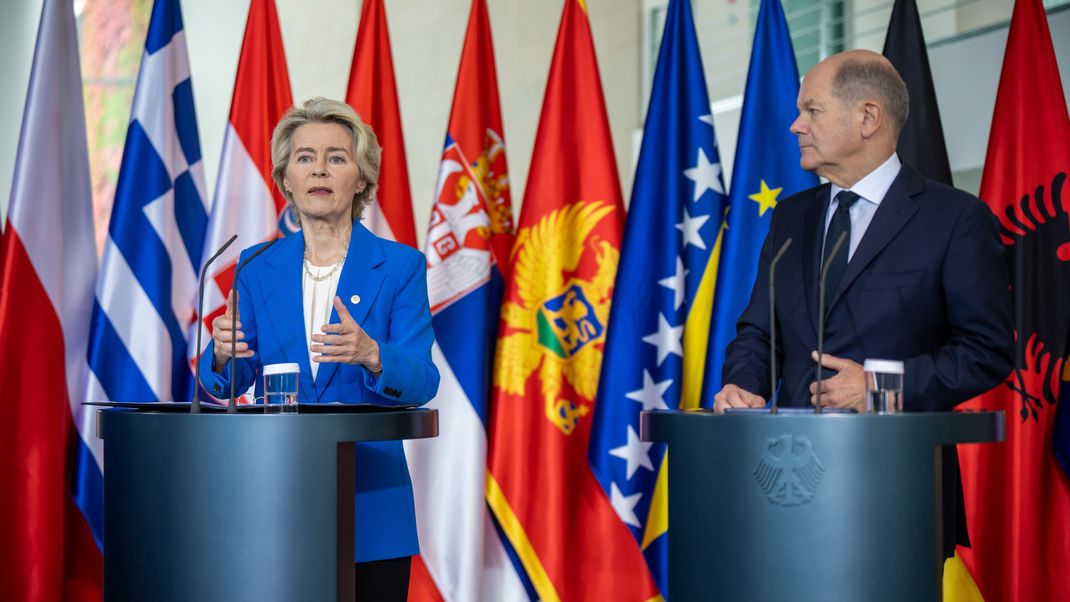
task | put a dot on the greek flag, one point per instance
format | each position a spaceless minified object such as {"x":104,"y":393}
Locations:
{"x":146,"y":292}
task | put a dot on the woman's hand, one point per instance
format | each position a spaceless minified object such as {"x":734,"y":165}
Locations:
{"x":223,"y":335}
{"x":346,"y":343}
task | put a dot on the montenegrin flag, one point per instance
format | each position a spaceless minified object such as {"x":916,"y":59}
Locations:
{"x":559,"y":520}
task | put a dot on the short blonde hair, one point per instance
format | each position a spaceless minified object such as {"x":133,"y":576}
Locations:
{"x":366,"y":150}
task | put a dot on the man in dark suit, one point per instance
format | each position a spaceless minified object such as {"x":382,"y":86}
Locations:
{"x":921,"y":277}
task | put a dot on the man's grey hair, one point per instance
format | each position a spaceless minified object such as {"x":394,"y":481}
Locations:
{"x":856,"y":80}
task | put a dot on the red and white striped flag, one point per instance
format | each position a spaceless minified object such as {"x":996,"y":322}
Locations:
{"x":373,"y":93}
{"x":246,"y":201}
{"x":46,"y":298}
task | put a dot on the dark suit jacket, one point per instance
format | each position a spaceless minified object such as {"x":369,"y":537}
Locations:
{"x":927,"y":285}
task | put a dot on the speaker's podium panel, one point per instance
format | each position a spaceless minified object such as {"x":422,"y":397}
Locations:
{"x":805,"y":506}
{"x":244,"y":506}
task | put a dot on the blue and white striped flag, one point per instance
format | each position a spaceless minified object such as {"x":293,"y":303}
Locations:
{"x":146,"y":291}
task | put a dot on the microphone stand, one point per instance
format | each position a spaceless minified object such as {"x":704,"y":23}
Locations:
{"x":821,"y":313}
{"x":195,"y":407}
{"x":772,"y":322}
{"x":232,"y":405}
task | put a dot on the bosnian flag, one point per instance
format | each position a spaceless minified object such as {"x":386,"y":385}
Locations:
{"x":49,"y":265}
{"x":146,"y":294}
{"x":469,"y":237}
{"x":247,"y":203}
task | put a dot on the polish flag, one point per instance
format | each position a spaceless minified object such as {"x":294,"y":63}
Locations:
{"x":47,"y":275}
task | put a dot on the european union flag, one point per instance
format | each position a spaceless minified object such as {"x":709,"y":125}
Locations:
{"x":659,"y":318}
{"x":766,"y":170}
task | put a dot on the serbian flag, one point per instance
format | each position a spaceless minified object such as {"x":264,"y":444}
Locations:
{"x":373,"y":93}
{"x":565,"y":529}
{"x":46,"y":299}
{"x":247,"y":202}
{"x":1017,"y":497}
{"x":468,"y":240}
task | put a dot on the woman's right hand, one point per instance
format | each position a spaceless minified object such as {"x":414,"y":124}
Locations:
{"x":225,"y":329}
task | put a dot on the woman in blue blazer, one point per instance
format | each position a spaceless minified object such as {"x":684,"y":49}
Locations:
{"x":350,"y":308}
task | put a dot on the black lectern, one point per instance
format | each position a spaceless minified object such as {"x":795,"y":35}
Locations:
{"x":236,"y":506}
{"x":808,"y":507}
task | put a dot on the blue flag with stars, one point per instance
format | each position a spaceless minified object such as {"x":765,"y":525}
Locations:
{"x":766,"y":170}
{"x":671,"y":232}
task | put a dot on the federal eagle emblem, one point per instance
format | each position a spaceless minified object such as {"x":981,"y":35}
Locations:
{"x":556,"y":325}
{"x":788,"y":471}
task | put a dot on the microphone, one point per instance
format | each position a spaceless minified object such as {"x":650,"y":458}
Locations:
{"x":195,"y":407}
{"x":772,"y":321}
{"x":232,"y":405}
{"x":821,"y":312}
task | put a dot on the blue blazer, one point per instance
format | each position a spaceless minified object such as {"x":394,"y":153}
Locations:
{"x":384,"y":286}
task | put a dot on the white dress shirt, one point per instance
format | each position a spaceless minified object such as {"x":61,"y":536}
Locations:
{"x":871,"y":191}
{"x":318,"y":301}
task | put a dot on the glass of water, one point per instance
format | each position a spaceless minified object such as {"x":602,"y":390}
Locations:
{"x":884,"y":386}
{"x":280,"y":387}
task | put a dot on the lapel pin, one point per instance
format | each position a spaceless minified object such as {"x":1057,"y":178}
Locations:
{"x":354,"y":299}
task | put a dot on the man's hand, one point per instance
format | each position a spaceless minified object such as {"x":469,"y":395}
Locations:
{"x":845,"y":390}
{"x":731,"y":396}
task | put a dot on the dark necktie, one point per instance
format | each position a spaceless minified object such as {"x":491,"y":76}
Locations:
{"x":841,"y":223}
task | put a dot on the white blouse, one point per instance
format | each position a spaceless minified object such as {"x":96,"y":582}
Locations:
{"x":318,"y":302}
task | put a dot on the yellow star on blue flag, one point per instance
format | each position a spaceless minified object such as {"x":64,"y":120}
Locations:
{"x":766,"y":198}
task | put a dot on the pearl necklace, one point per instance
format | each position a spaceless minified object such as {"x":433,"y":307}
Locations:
{"x":316,"y":279}
{"x":322,"y":277}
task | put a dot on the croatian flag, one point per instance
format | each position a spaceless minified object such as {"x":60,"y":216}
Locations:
{"x":49,"y":511}
{"x":146,"y":294}
{"x":247,"y":202}
{"x":373,"y":94}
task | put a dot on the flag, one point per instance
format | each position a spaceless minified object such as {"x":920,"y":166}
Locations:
{"x":50,"y":516}
{"x":669,"y":243}
{"x":766,"y":169}
{"x":1017,"y":497}
{"x":147,"y":290}
{"x":921,"y":141}
{"x":468,"y":239}
{"x":564,"y":528}
{"x":247,"y":202}
{"x":373,"y":93}
{"x":921,"y":145}
{"x":1060,"y":438}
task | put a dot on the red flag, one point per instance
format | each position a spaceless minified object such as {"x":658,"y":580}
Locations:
{"x":49,"y":266}
{"x":247,"y":202}
{"x":1017,"y":499}
{"x":374,"y":94}
{"x":564,"y":529}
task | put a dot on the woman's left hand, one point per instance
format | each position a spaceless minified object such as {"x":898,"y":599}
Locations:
{"x":346,"y":343}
